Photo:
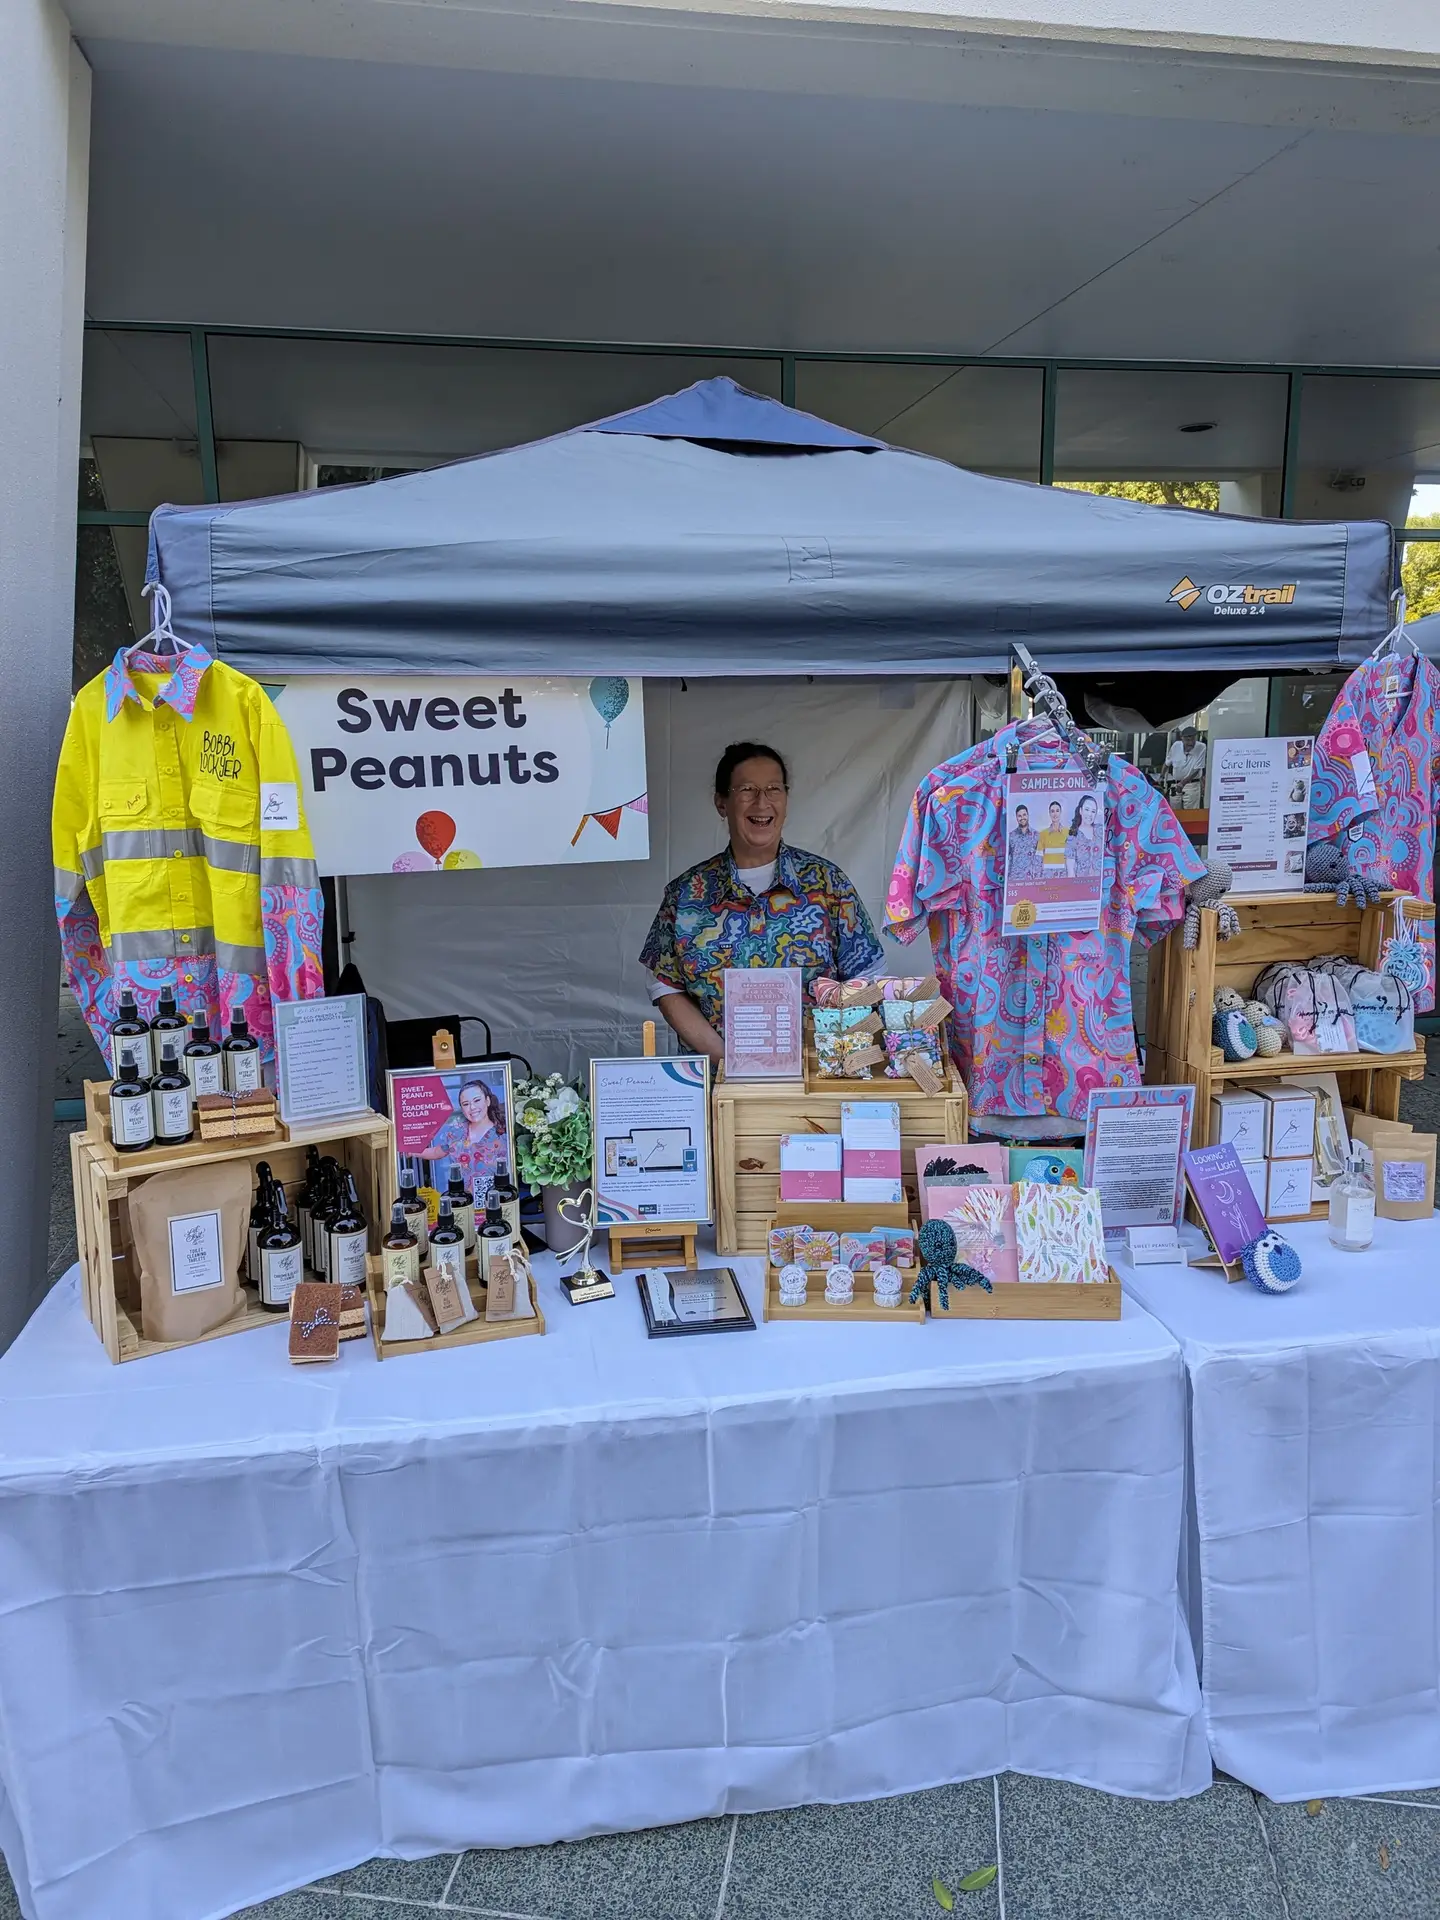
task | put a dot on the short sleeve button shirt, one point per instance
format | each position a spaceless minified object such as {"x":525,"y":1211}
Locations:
{"x":809,"y":917}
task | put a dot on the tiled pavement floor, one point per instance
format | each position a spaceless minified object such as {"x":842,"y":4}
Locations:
{"x":1062,"y":1852}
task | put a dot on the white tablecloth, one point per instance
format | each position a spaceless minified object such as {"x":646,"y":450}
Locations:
{"x":1316,"y":1434}
{"x":261,"y":1622}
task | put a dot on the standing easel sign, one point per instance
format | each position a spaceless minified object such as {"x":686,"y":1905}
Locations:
{"x":651,"y":1119}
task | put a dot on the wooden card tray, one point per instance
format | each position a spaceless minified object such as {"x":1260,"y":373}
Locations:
{"x":473,"y":1333}
{"x":1032,"y":1300}
{"x":881,"y":1087}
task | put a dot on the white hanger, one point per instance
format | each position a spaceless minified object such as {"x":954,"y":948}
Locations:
{"x":1398,"y":637}
{"x":162,"y":638}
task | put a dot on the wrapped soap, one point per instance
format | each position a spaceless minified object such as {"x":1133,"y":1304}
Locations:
{"x":916,"y":1040}
{"x":826,"y":1019}
{"x":825,"y":992}
{"x":780,"y":1244}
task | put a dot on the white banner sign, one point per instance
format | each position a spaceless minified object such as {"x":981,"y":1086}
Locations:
{"x":419,"y":773}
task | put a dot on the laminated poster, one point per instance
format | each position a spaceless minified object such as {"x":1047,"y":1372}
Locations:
{"x":651,"y":1152}
{"x":1260,"y":811}
{"x":764,"y":1035}
{"x":1054,"y":853}
{"x":1134,"y":1137}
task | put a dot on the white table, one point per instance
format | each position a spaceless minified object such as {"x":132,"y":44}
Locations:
{"x":1316,"y":1436}
{"x":262,"y":1622}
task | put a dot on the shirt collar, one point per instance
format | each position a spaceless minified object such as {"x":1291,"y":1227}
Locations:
{"x":179,"y":691}
{"x":785,"y":875}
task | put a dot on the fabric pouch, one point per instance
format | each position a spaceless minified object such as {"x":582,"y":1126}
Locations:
{"x":1314,"y":1006}
{"x":189,"y":1230}
{"x":1383,"y":1007}
{"x":914,"y":1040}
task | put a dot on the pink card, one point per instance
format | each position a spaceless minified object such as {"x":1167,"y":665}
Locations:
{"x":984,"y":1222}
{"x":980,"y":1163}
{"x":810,"y":1167}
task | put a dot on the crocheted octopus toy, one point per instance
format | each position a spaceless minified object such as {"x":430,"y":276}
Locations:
{"x":1210,"y":891}
{"x":1331,"y":866}
{"x":939,"y":1263}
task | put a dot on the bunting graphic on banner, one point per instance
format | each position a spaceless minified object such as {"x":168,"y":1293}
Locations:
{"x":609,"y":818}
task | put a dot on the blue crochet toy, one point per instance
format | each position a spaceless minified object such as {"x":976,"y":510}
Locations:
{"x":938,"y":1248}
{"x":1271,"y":1263}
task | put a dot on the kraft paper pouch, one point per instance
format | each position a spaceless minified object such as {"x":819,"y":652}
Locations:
{"x":189,"y":1230}
{"x":1405,"y":1178}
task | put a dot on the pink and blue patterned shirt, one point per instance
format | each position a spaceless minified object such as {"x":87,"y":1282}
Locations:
{"x":1394,"y":827}
{"x":1038,"y":1020}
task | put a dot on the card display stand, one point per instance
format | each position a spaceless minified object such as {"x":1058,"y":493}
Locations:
{"x":836,"y":1217}
{"x":751,"y":1115}
{"x":652,"y":1243}
{"x":1273,"y":926}
{"x":1032,"y":1300}
{"x":474,"y":1332}
{"x":104,"y":1180}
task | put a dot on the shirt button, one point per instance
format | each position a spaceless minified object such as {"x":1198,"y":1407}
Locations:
{"x":184,"y":939}
{"x":189,"y":979}
{"x":178,"y":854}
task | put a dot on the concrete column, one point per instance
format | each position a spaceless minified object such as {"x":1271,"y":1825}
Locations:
{"x":44,"y":163}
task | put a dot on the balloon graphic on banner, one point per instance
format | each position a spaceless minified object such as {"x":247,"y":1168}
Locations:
{"x":609,"y":695}
{"x":436,"y":833}
{"x":460,"y":858}
{"x":412,"y":863}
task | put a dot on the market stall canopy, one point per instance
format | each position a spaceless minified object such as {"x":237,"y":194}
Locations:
{"x":715,"y":532}
{"x":1425,"y":632}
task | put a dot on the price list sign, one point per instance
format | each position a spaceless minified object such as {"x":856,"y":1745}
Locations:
{"x":764,"y":1036}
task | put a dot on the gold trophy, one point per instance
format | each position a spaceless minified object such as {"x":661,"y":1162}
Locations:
{"x":587,"y":1282}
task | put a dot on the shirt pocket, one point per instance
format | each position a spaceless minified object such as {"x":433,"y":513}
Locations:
{"x":123,"y":802}
{"x":227,"y":809}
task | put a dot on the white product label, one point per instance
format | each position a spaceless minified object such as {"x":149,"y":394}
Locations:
{"x":131,"y":1046}
{"x":172,"y":1112}
{"x":1364,"y":775}
{"x":195,"y":1261}
{"x":132,"y":1124}
{"x":1359,"y":1216}
{"x":252,"y":1257}
{"x":347,"y":1258}
{"x":510,"y":1212}
{"x":417,"y":1219}
{"x":242,"y":1071}
{"x":1403,"y":1181}
{"x":465,"y":1219}
{"x":320,"y":1246}
{"x":206,"y":1072}
{"x":279,"y":806}
{"x":401,"y":1264}
{"x":281,"y":1271}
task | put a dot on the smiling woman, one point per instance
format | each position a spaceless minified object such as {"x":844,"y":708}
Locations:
{"x":759,"y":903}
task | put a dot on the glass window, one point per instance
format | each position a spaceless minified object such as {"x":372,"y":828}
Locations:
{"x":1301,"y":702}
{"x":1363,"y":445}
{"x":1212,"y":440}
{"x":984,"y":418}
{"x":103,"y":622}
{"x":367,"y":404}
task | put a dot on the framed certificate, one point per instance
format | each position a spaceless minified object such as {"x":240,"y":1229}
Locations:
{"x":651,"y":1121}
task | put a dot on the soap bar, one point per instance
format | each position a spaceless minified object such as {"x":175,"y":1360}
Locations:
{"x":314,"y":1322}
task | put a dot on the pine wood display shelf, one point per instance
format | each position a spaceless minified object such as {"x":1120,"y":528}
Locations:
{"x":1273,"y":926}
{"x":104,"y":1180}
{"x":474,"y":1333}
{"x":1032,"y":1300}
{"x":751,"y":1115}
{"x":836,"y":1217}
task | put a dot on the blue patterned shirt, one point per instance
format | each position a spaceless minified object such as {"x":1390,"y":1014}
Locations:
{"x":809,"y":917}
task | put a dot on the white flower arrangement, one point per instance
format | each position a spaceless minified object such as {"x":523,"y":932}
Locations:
{"x":552,"y":1132}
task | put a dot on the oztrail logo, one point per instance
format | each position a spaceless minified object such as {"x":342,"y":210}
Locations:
{"x":1225,"y":599}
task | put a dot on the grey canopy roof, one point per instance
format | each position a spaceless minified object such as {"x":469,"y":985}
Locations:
{"x":717,"y":532}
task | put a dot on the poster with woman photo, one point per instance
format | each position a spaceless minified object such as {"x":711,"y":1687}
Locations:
{"x":1054,"y":853}
{"x":454,"y":1117}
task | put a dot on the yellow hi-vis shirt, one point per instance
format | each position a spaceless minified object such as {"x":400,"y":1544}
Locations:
{"x":182,"y":858}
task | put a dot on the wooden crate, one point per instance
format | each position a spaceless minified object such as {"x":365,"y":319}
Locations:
{"x":473,"y":1333}
{"x":751,"y":1115}
{"x":836,"y":1217}
{"x":1031,"y":1300}
{"x":104,"y":1180}
{"x":1274,"y":926}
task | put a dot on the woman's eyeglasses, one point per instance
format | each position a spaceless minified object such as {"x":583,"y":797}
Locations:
{"x":747,"y":793}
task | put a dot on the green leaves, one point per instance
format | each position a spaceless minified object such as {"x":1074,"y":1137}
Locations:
{"x":972,"y":1883}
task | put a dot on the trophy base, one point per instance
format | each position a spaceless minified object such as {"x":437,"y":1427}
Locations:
{"x":589,"y":1284}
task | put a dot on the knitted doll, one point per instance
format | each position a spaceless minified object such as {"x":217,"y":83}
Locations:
{"x":1270,"y":1033}
{"x":1331,"y":866}
{"x":1229,"y":1028}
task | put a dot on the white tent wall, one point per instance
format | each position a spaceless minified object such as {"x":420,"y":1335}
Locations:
{"x":548,"y":954}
